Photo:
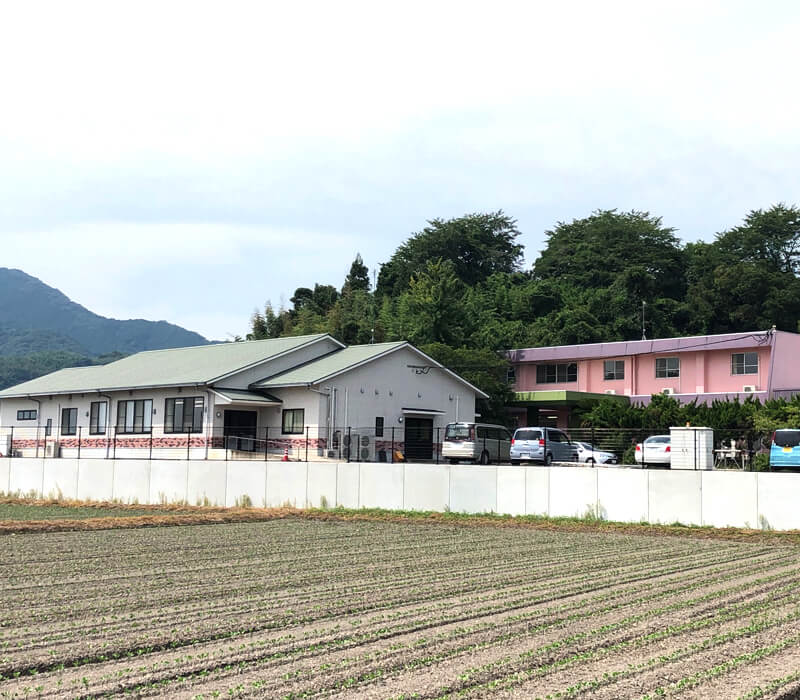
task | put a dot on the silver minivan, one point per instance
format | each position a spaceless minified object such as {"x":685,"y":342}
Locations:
{"x":541,"y":444}
{"x":481,"y":443}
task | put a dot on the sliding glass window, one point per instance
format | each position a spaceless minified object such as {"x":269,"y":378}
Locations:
{"x":184,"y":415}
{"x":135,"y":416}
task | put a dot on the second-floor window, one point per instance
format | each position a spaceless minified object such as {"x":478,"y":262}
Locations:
{"x":614,"y":369}
{"x":668,"y":367}
{"x":26,"y":414}
{"x":744,"y":363}
{"x":184,"y":415}
{"x":135,"y":416}
{"x":557,"y":374}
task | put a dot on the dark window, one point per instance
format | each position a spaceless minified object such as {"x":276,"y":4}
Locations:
{"x":556,"y":436}
{"x":135,"y":416}
{"x":48,"y":429}
{"x":184,"y":415}
{"x":69,"y":421}
{"x":528,"y":435}
{"x":557,"y":374}
{"x":26,"y":415}
{"x":292,"y":422}
{"x":379,"y":426}
{"x":744,"y":363}
{"x":98,"y":414}
{"x":668,"y":367}
{"x":614,"y":369}
{"x":511,"y":375}
{"x":787,"y":438}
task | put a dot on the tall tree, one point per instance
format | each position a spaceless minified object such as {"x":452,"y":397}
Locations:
{"x":358,"y":277}
{"x":477,"y":245}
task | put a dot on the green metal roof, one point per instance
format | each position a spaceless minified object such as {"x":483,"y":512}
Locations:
{"x":335,"y":363}
{"x":562,"y":397}
{"x":174,"y":367}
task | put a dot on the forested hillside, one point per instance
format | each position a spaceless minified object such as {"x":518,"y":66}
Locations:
{"x":457,"y":288}
{"x":41,"y":330}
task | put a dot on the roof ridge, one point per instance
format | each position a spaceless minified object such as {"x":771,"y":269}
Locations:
{"x":227,"y":343}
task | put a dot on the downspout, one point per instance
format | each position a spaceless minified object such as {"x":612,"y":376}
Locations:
{"x":774,"y":337}
{"x":327,"y":395}
{"x":209,"y":420}
{"x":108,"y":419}
{"x":38,"y":421}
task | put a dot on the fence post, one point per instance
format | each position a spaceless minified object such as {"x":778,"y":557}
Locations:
{"x":438,"y":443}
{"x":151,"y":442}
{"x":484,"y":448}
{"x":349,"y":444}
{"x":392,"y":459}
{"x":80,"y":428}
{"x":188,"y":442}
{"x":114,"y":444}
{"x":266,"y":443}
{"x":306,"y":447}
{"x":11,"y":445}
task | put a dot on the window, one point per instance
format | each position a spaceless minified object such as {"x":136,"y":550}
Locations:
{"x":69,"y":421}
{"x":614,"y":369}
{"x":98,"y":414}
{"x":135,"y":416}
{"x":556,"y":374}
{"x":293,"y":421}
{"x":184,"y":415}
{"x":26,"y":415}
{"x":379,"y":426}
{"x":668,"y":367}
{"x":511,"y":375}
{"x":48,"y":429}
{"x":744,"y":363}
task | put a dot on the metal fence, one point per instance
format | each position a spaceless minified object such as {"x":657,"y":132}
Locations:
{"x":735,"y":448}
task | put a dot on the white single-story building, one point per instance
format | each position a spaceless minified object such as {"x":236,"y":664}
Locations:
{"x":307,"y":393}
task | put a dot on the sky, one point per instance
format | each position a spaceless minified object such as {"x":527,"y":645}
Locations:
{"x":189,"y":161}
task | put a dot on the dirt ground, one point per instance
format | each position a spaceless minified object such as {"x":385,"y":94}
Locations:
{"x":280,"y":604}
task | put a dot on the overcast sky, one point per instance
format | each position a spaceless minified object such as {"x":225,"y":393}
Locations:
{"x":188,"y":161}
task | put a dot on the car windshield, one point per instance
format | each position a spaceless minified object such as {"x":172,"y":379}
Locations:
{"x":528,"y":435}
{"x":787,"y":438}
{"x":456,"y":431}
{"x":659,"y":439}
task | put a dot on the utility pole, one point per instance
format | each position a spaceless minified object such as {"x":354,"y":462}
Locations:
{"x":644,"y":337}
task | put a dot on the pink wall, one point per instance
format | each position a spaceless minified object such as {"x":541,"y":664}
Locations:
{"x":706,"y":371}
{"x":786,"y":372}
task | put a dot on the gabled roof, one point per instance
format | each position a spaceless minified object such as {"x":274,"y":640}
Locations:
{"x":199,"y":365}
{"x":341,"y":361}
{"x":246,"y":397}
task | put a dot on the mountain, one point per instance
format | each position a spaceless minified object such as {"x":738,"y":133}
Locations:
{"x":37,"y":318}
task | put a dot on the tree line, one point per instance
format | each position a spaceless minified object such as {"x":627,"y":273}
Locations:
{"x":457,"y":288}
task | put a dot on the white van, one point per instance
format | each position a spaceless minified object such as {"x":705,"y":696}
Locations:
{"x":481,"y":443}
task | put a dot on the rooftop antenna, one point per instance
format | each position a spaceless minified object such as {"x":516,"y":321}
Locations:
{"x":644,"y":337}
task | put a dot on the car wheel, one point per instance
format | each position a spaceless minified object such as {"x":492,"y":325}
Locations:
{"x":548,"y":460}
{"x":590,"y":461}
{"x":453,"y":461}
{"x":515,"y":462}
{"x":484,"y":457}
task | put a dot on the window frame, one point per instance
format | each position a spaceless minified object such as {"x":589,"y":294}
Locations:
{"x":379,"y":425}
{"x":196,"y":418}
{"x":146,"y":428}
{"x":294,"y":412}
{"x":69,"y":426}
{"x":27,"y":414}
{"x":557,"y":373}
{"x":617,"y":372}
{"x":744,"y":364}
{"x":96,"y":427}
{"x":668,"y":372}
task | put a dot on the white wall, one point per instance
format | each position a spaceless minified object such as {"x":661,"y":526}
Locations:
{"x":718,"y":499}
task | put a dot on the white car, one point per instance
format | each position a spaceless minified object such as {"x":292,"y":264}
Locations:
{"x":654,"y":450}
{"x":591,"y":455}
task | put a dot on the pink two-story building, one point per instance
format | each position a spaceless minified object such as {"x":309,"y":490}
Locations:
{"x":549,"y":381}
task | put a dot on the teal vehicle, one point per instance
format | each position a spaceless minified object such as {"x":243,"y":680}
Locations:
{"x":785,"y":449}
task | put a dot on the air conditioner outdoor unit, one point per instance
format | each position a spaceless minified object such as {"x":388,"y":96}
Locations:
{"x":610,"y":391}
{"x":668,"y":391}
{"x":51,"y":449}
{"x":749,"y":388}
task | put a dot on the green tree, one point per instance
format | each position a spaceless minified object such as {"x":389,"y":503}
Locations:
{"x":477,"y":245}
{"x":432,"y":307}
{"x":358,"y":277}
{"x":266,"y":325}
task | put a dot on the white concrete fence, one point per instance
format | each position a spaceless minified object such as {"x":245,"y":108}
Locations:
{"x":717,"y":498}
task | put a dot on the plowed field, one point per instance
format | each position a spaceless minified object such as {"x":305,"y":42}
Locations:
{"x":300,"y":608}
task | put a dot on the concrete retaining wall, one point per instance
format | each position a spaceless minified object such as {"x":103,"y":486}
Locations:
{"x":716,"y":498}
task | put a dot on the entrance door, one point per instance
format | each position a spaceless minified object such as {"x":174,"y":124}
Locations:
{"x":419,"y":438}
{"x":240,"y":430}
